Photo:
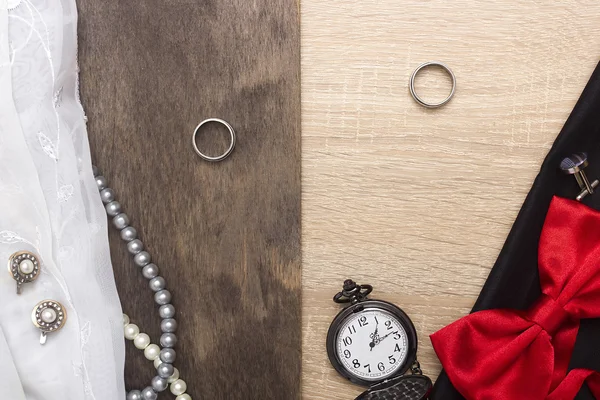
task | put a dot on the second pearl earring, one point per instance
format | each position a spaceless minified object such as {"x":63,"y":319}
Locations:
{"x":24,"y":268}
{"x":48,"y":316}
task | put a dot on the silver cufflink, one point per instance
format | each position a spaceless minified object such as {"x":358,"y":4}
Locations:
{"x":24,"y":267}
{"x":574,"y":165}
{"x":48,"y":316}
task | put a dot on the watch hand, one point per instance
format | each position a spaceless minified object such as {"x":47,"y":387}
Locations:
{"x":374,"y":336}
{"x":381,"y":339}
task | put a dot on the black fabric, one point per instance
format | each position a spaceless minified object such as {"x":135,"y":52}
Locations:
{"x":514,"y":281}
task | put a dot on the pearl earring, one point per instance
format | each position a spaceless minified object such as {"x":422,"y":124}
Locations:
{"x":48,"y":316}
{"x":24,"y":267}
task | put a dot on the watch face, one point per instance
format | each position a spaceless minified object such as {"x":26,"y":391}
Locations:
{"x":371,"y":341}
{"x":372,"y":345}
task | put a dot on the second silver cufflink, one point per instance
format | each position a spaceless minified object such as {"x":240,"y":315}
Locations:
{"x":574,"y":165}
{"x":24,"y":267}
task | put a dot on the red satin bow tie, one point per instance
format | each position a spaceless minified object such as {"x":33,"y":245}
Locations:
{"x":524,"y":355}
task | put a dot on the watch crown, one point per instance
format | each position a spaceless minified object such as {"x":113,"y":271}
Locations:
{"x":349,"y":285}
{"x":352,"y":292}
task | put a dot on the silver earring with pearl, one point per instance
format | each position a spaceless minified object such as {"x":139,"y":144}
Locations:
{"x":48,"y":316}
{"x":24,"y":267}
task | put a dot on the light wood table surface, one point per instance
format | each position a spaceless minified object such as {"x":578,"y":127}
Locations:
{"x":418,"y":202}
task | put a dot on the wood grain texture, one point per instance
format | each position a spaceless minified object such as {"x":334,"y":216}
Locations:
{"x":226,"y":236}
{"x":418,"y":202}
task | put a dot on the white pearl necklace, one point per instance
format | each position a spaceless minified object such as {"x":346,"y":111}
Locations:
{"x":151,"y":351}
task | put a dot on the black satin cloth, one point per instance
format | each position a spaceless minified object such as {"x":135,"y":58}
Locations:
{"x":514,"y":281}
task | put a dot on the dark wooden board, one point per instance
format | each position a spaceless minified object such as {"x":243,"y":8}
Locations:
{"x":226,"y":236}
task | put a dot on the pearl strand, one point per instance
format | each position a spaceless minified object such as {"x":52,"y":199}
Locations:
{"x":163,"y":358}
{"x":142,"y":342}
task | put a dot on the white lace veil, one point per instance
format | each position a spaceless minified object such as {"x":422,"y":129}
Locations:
{"x":49,"y":204}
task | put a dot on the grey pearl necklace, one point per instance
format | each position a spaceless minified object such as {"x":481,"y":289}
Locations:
{"x":164,"y":357}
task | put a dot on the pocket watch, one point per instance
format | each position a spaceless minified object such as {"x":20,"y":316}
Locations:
{"x":374,"y":343}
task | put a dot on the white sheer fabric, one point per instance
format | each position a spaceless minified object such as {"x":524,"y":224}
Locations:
{"x":49,"y":204}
